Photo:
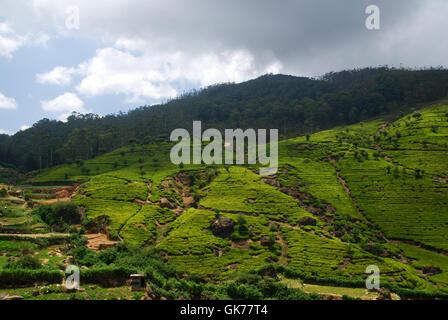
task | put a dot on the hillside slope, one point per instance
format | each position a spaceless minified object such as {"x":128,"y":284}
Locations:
{"x":373,"y":193}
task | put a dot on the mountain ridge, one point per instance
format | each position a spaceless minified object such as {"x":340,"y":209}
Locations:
{"x":294,"y":105}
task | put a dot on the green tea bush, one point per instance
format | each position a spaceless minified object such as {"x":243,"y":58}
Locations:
{"x":19,"y":277}
{"x":243,"y":291}
{"x":108,"y":256}
{"x":107,"y":276}
{"x":27,"y":195}
{"x":25,"y":262}
{"x":85,"y":256}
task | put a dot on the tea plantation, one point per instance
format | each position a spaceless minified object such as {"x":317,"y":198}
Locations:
{"x":374,"y":193}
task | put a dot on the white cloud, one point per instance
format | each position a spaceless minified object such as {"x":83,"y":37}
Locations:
{"x":154,"y":74}
{"x":41,"y":39}
{"x":64,"y":104}
{"x":131,"y":44}
{"x":228,"y":66}
{"x":308,"y":39}
{"x":11,"y":41}
{"x":113,"y":71}
{"x":7,"y":103}
{"x":24,"y":127}
{"x":4,"y":132}
{"x":59,"y":76}
{"x":146,"y":56}
{"x":5,"y":28}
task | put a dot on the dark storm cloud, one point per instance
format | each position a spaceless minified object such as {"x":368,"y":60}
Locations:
{"x":306,"y":36}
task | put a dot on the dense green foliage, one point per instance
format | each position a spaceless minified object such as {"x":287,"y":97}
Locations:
{"x":61,"y":214}
{"x":25,"y":262}
{"x":113,"y":266}
{"x":294,"y":105}
{"x":18,"y":277}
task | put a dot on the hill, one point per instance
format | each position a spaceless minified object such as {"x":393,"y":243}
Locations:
{"x":372,"y":193}
{"x":294,"y":105}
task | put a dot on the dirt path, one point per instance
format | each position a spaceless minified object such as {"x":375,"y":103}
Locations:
{"x":127,"y":220}
{"x":287,"y":225}
{"x":344,"y":185}
{"x":35,"y":235}
{"x":148,"y":198}
{"x":418,"y":245}
{"x":348,"y":192}
{"x":284,"y":256}
{"x":55,"y":201}
{"x":149,"y":192}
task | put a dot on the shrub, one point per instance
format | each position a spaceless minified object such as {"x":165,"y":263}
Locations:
{"x":108,"y":256}
{"x":85,"y":256}
{"x":25,"y":262}
{"x":417,"y":115}
{"x":3,"y":193}
{"x":15,"y":277}
{"x":27,"y":195}
{"x":271,"y":240}
{"x":242,"y":291}
{"x":59,"y":214}
{"x":240,"y":232}
{"x":106,"y":276}
{"x":419,"y":173}
{"x":79,"y":162}
{"x":241,"y":220}
{"x":396,"y":172}
{"x":376,"y":249}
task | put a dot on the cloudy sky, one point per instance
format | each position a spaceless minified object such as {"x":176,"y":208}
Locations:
{"x":103,"y":56}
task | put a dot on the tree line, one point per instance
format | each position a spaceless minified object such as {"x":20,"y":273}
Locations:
{"x":294,"y":105}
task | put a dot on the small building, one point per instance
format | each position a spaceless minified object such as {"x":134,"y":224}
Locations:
{"x":138,"y":282}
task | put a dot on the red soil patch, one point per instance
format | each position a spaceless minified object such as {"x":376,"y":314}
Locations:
{"x":99,"y":241}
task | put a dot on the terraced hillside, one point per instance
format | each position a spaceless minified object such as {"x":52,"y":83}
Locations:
{"x":374,"y":193}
